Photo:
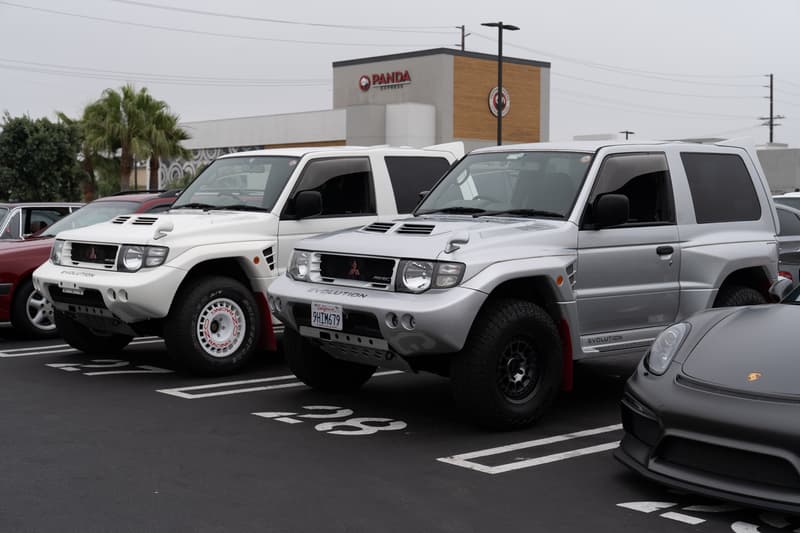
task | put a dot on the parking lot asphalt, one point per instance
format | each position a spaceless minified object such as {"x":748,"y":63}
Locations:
{"x":123,"y":442}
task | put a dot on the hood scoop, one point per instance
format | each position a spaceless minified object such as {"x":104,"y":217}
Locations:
{"x":378,"y":227}
{"x":136,"y":221}
{"x":121,"y":219}
{"x":416,"y":229}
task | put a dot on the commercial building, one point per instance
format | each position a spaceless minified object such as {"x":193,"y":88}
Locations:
{"x":411,"y":99}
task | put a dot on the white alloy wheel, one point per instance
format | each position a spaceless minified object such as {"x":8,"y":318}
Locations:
{"x":221,"y":327}
{"x":39,"y":312}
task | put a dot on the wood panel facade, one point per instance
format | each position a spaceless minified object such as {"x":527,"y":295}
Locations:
{"x":473,"y":80}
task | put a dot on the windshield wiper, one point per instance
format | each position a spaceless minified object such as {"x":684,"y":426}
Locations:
{"x":238,"y":207}
{"x":194,"y":205}
{"x":454,"y":209}
{"x":520,"y":212}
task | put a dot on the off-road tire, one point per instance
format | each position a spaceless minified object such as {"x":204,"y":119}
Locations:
{"x":319,"y":370}
{"x":88,"y":340}
{"x":510,"y":340}
{"x":213,"y":327}
{"x":26,"y":299}
{"x":737,"y":295}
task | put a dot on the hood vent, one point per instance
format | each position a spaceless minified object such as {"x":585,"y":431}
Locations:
{"x":379,"y":227}
{"x":416,"y":229}
{"x":144,"y":221}
{"x":121,"y":219}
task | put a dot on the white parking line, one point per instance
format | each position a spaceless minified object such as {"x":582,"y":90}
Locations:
{"x":463,"y":460}
{"x":187,"y":394}
{"x":64,"y":348}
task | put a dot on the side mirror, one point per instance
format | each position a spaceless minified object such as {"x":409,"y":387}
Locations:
{"x":610,"y":210}
{"x":307,"y":204}
{"x":781,"y":288}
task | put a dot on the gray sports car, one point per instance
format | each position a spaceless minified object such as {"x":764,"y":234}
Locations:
{"x":714,"y":407}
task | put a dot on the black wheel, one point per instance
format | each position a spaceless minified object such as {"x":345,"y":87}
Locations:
{"x":31,"y":314}
{"x":736,"y":295}
{"x":509,"y":371}
{"x":213,"y":327}
{"x":86,"y":339}
{"x":319,"y":370}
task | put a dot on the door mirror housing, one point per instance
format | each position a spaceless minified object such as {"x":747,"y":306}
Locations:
{"x":307,"y":204}
{"x":610,"y":210}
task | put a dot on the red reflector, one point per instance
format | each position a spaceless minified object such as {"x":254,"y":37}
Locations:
{"x":786,"y":275}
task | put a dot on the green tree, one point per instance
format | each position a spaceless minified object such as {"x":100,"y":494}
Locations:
{"x":163,"y":135}
{"x":38,"y":159}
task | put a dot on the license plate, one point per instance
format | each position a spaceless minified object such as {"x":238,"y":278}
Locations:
{"x":327,"y":316}
{"x":70,"y":288}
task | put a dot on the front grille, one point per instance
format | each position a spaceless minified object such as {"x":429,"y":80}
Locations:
{"x":367,"y":269}
{"x":729,"y":462}
{"x":90,"y":297}
{"x":416,"y":229}
{"x":98,"y":254}
{"x":355,"y":322}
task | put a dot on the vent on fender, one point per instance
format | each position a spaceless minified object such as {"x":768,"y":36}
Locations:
{"x":269,"y":257}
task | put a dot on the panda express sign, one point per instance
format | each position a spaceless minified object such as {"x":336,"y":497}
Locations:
{"x":385,"y":80}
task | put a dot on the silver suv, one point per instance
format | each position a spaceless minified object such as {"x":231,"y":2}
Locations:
{"x":526,"y":258}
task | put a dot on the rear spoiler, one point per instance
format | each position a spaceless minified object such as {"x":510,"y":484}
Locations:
{"x":456,"y":148}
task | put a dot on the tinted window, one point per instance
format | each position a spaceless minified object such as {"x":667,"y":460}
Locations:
{"x":412,"y":175}
{"x":790,"y":224}
{"x":344,"y":183}
{"x":11,"y":230}
{"x":722,"y":190}
{"x":644,"y":179}
{"x":38,"y":218}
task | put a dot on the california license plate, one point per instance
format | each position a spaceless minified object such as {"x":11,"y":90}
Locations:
{"x":326,"y":316}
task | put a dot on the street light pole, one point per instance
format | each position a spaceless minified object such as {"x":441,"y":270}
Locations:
{"x":501,"y":103}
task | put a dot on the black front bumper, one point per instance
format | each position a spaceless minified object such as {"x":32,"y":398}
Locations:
{"x":742,"y":450}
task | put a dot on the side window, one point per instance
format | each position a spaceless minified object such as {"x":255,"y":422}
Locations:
{"x":722,"y":189}
{"x":644,"y":179}
{"x":412,"y":175}
{"x":11,"y":230}
{"x":39,"y":218}
{"x":345,"y":185}
{"x":790,"y":224}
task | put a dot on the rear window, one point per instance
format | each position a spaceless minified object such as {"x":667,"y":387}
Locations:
{"x":412,"y":175}
{"x":722,"y":189}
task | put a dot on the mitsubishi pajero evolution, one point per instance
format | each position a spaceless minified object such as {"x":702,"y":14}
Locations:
{"x":197,"y":275}
{"x":526,"y":258}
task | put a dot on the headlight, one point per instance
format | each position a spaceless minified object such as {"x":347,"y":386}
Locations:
{"x":56,"y":251}
{"x":417,"y":275}
{"x":665,"y":347}
{"x":133,"y":258}
{"x":298,"y":265}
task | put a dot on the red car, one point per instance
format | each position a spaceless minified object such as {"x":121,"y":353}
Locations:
{"x":27,"y":310}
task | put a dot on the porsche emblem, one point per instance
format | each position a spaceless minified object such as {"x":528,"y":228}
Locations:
{"x":753,"y":376}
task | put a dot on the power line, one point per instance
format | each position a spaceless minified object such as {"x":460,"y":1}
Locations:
{"x":198,"y":32}
{"x":653,"y":91}
{"x":408,"y":29}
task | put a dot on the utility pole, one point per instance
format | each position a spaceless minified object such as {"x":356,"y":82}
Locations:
{"x":627,"y":133}
{"x":464,"y":35}
{"x":501,"y":101}
{"x":770,"y":120}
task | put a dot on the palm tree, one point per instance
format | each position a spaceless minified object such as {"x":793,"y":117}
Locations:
{"x":164,"y":137}
{"x":87,"y":158}
{"x":118,"y":121}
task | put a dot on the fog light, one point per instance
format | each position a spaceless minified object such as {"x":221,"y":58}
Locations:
{"x":111,"y":294}
{"x":408,"y":322}
{"x":392,"y":320}
{"x":122,"y":295}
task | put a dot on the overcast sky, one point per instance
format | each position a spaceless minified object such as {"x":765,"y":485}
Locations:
{"x":667,"y":69}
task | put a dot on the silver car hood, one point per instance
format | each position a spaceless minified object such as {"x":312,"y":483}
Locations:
{"x":495,"y":238}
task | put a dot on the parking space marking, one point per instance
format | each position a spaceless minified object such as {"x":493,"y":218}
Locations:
{"x":464,"y":460}
{"x":235,"y":387}
{"x":65,"y":348}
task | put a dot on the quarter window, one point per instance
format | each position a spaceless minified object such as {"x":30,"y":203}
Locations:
{"x":344,"y":183}
{"x":644,"y":179}
{"x":722,"y":189}
{"x":412,"y":175}
{"x":789,"y":222}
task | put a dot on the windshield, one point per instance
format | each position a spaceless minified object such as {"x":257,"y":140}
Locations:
{"x":521,"y":183}
{"x":93,"y":213}
{"x":253,"y":182}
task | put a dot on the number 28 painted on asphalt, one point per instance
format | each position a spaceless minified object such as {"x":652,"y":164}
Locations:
{"x":351,"y":426}
{"x":108,"y":367}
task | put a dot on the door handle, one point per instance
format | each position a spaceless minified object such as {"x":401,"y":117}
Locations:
{"x":664,"y":250}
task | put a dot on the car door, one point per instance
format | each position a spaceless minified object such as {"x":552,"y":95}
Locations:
{"x":627,"y":280}
{"x":789,"y":242}
{"x":348,"y":200}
